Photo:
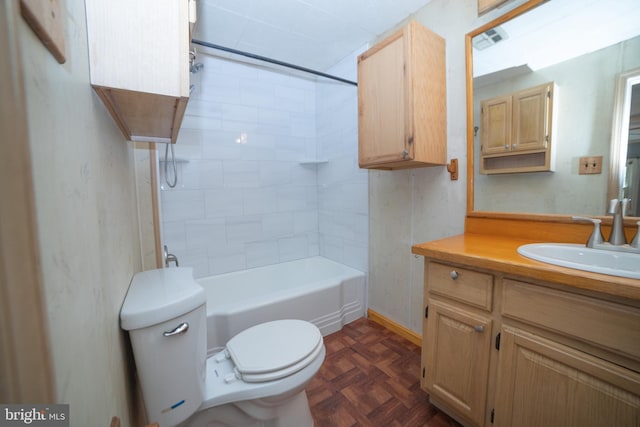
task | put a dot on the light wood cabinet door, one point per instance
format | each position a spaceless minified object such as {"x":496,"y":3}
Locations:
{"x":531,"y":119}
{"x":402,"y":101}
{"x":383,"y":132}
{"x":496,"y":125}
{"x":458,"y":347}
{"x":543,"y":383}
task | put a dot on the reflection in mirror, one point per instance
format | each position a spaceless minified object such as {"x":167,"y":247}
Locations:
{"x":627,"y":131}
{"x":578,"y":47}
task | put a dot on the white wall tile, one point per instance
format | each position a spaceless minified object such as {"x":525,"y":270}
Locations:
{"x":221,"y":203}
{"x":260,"y":201}
{"x":305,"y":221}
{"x":243,"y":230}
{"x":241,"y":174}
{"x":200,"y":234}
{"x":278,"y":225}
{"x":227,"y":263}
{"x":244,"y":200}
{"x":182,"y":205}
{"x":262,"y":253}
{"x":291,"y":248}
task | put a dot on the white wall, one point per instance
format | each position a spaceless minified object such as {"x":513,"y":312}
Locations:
{"x":244,"y":198}
{"x":87,"y":227}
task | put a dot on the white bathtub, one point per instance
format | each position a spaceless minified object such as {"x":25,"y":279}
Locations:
{"x":316,"y":289}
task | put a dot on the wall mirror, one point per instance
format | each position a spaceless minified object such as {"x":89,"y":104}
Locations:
{"x":590,"y":51}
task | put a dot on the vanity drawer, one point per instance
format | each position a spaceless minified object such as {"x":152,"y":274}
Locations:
{"x":604,"y":324}
{"x":468,"y":286}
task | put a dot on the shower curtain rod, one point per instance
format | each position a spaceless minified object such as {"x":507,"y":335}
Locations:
{"x":272,"y":61}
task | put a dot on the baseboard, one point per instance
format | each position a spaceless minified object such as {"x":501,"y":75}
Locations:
{"x":403,"y":331}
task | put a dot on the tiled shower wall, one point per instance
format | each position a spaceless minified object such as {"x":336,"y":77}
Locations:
{"x":249,"y":190}
{"x":343,"y":203}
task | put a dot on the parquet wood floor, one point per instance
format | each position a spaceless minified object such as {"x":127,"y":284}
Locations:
{"x":370,"y":378}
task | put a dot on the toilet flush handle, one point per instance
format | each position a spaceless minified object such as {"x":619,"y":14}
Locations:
{"x":180,"y":329}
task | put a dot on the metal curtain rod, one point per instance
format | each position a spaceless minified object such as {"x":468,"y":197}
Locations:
{"x":272,"y":61}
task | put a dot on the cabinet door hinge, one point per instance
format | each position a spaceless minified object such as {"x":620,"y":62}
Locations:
{"x":493,"y":412}
{"x":426,"y":312}
{"x":498,"y":341}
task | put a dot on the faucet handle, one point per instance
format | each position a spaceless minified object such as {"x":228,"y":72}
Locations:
{"x":596,"y":237}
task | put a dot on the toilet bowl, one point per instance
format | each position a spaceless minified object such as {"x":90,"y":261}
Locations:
{"x":258,"y":380}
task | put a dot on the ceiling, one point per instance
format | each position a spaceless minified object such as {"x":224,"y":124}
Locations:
{"x":314,"y":34}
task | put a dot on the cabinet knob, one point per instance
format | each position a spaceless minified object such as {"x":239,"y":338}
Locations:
{"x":506,"y":145}
{"x":405,"y":153}
{"x":453,"y":274}
{"x":478,"y":328}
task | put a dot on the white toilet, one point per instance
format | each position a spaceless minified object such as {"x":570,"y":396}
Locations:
{"x":258,"y":380}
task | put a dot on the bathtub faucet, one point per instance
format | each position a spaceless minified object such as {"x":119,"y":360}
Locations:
{"x":169,"y":257}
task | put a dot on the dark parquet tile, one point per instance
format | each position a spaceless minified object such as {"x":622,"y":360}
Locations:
{"x":370,"y":378}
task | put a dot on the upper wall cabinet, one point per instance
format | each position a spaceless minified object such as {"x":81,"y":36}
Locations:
{"x":139,"y":64}
{"x":516,"y":131}
{"x":402,"y":110}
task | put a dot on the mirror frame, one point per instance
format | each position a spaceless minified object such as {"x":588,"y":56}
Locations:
{"x":531,"y":4}
{"x":558,"y":218}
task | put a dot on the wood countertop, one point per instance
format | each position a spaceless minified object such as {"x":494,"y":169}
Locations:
{"x":500,"y":254}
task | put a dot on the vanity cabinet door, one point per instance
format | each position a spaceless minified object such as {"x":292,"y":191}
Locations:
{"x":543,"y":383}
{"x":458,"y":346}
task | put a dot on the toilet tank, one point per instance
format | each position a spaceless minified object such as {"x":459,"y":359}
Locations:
{"x":164,"y":312}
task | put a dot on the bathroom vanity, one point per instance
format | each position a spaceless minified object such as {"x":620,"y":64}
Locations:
{"x":508,"y":341}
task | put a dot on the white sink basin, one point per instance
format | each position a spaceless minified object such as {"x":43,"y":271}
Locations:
{"x":623,"y":264}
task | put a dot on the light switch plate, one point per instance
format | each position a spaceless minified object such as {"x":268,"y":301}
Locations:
{"x":590,"y":165}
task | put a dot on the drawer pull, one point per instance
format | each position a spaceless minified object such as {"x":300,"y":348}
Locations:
{"x":478,"y":328}
{"x":454,"y":274}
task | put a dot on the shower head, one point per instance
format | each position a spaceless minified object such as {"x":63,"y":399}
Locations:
{"x":195,"y":67}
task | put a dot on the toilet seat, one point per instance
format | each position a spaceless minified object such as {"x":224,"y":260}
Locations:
{"x":273,"y":350}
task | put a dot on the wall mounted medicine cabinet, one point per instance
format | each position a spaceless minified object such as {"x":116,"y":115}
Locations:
{"x":402,"y":120}
{"x":516,"y":131}
{"x":139,"y":64}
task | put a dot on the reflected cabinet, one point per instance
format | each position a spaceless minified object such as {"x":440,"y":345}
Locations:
{"x":500,"y":351}
{"x":516,"y":131}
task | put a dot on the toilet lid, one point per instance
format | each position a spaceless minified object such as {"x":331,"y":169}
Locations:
{"x":274,"y":350}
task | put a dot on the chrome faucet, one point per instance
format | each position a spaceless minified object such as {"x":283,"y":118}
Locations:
{"x":169,"y":257}
{"x":617,"y":208}
{"x":617,"y":240}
